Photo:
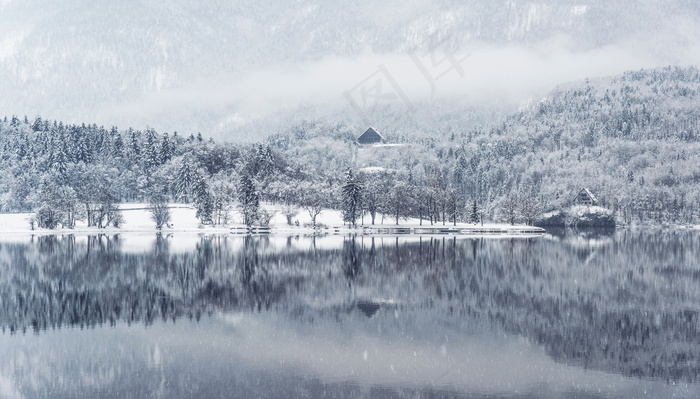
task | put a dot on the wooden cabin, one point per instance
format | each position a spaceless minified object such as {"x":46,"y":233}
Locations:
{"x":585,"y":197}
{"x":370,"y":136}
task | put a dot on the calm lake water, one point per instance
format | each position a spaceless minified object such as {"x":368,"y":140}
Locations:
{"x":599,"y":315}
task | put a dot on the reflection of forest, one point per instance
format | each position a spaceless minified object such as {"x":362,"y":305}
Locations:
{"x":625,"y":303}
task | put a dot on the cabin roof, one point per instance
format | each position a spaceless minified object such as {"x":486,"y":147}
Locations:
{"x":588,"y":193}
{"x":370,"y":136}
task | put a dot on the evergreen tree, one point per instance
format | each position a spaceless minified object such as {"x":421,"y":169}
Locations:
{"x":265,"y":162}
{"x":203,"y":201}
{"x":60,"y":163}
{"x":38,"y":124}
{"x":134,"y":145}
{"x":185,"y":180}
{"x":118,"y":146}
{"x":352,"y":198}
{"x":83,"y":153}
{"x":152,"y":153}
{"x":248,"y":201}
{"x":166,"y":149}
{"x":474,"y":213}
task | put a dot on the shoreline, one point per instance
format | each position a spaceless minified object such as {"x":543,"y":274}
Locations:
{"x":239,"y":230}
{"x":329,"y":222}
{"x":137,"y":220}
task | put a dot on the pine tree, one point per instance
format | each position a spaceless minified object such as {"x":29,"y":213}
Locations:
{"x":203,"y":201}
{"x":474,"y":214}
{"x":166,"y":149}
{"x":152,"y":154}
{"x":248,"y":201}
{"x":352,"y":197}
{"x":186,"y":178}
{"x":83,"y":148}
{"x":60,"y":162}
{"x":264,"y":160}
{"x":118,"y":146}
{"x":134,"y":145}
{"x":38,"y":124}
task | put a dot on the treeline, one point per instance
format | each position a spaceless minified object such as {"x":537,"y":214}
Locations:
{"x":69,"y":173}
{"x":633,"y":140}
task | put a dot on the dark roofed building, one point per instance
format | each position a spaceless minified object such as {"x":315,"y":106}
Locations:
{"x":371,"y":136}
{"x":585,"y":197}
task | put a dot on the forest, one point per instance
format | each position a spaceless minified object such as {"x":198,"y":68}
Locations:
{"x":632,"y":139}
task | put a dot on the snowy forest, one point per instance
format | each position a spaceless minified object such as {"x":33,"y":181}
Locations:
{"x":633,"y":140}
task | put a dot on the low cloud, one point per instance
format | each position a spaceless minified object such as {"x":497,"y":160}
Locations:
{"x":478,"y":75}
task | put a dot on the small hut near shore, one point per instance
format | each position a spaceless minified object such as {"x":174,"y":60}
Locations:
{"x":585,"y":197}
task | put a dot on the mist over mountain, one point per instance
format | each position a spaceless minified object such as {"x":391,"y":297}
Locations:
{"x":229,"y":68}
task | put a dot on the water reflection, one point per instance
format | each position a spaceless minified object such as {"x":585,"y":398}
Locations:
{"x":361,"y":313}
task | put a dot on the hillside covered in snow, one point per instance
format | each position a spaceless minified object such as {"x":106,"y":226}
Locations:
{"x":226,"y":67}
{"x":632,"y":139}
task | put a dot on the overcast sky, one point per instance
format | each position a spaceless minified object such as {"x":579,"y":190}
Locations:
{"x":184,"y":67}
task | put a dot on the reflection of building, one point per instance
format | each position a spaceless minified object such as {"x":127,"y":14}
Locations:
{"x":585,"y":197}
{"x":370,"y":136}
{"x":367,"y":308}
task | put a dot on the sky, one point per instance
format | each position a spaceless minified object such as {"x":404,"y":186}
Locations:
{"x":225,"y":66}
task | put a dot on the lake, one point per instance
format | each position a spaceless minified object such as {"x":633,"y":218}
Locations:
{"x":594,"y":315}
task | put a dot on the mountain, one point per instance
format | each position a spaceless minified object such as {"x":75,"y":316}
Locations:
{"x":632,"y":139}
{"x":225,"y":66}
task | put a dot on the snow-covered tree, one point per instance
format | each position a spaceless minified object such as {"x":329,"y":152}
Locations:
{"x":158,"y":207}
{"x":352,"y":197}
{"x":248,"y":200}
{"x":187,"y":176}
{"x":474,"y":213}
{"x":203,"y":201}
{"x":223,"y":194}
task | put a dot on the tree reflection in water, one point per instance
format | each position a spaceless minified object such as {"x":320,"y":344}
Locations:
{"x":625,"y":302}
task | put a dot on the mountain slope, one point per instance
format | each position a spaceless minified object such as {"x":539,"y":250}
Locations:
{"x":184,"y":65}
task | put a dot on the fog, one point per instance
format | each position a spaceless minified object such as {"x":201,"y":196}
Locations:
{"x":478,"y":75}
{"x":220,"y":68}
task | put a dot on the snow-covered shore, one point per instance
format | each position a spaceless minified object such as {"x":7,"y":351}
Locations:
{"x":137,"y":219}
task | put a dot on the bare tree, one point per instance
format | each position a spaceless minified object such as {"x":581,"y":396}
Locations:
{"x":160,"y":213}
{"x":289,"y":211}
{"x":314,"y":199}
{"x":530,"y":208}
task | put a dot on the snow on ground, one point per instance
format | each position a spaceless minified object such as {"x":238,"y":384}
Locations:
{"x":372,"y":169}
{"x":589,"y":209}
{"x":137,"y":219}
{"x":388,"y":145}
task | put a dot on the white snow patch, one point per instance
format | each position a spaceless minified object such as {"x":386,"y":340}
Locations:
{"x":140,"y":226}
{"x":372,"y":169}
{"x":591,"y":210}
